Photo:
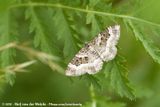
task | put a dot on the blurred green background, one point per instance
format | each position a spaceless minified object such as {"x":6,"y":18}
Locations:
{"x":43,"y":84}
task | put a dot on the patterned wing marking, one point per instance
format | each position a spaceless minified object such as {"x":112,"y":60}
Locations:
{"x":101,"y":42}
{"x":86,"y":61}
{"x":106,"y":41}
{"x":110,"y":48}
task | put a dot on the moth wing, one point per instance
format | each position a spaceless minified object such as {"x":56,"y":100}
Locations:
{"x":86,"y":61}
{"x":106,"y":41}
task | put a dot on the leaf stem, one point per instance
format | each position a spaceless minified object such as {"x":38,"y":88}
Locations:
{"x":92,"y":96}
{"x":86,"y":11}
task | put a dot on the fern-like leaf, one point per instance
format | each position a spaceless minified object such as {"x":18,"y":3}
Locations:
{"x":6,"y":56}
{"x":91,"y":19}
{"x":119,"y":79}
{"x":40,"y":39}
{"x":148,"y":44}
{"x":64,"y":33}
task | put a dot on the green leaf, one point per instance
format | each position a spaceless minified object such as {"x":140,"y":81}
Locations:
{"x":6,"y":57}
{"x":64,"y":33}
{"x":92,"y":3}
{"x":41,"y":39}
{"x":148,"y":44}
{"x":91,"y":19}
{"x":92,"y":80}
{"x":6,"y":36}
{"x":119,"y":79}
{"x":2,"y":84}
{"x":10,"y":77}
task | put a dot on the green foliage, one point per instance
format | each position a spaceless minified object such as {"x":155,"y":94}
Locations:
{"x":119,"y":78}
{"x":92,"y":80}
{"x":40,"y":38}
{"x":91,"y":19}
{"x":7,"y":36}
{"x":56,"y":30}
{"x":64,"y":33}
{"x":148,"y":44}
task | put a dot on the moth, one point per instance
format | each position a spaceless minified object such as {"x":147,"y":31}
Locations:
{"x":91,"y":57}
